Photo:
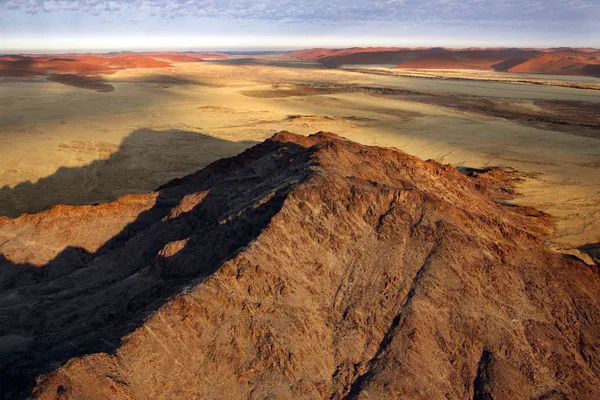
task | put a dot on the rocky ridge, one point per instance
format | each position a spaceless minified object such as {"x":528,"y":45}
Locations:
{"x":305,"y":267}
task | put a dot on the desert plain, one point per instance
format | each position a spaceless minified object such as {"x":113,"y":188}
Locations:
{"x":85,"y":142}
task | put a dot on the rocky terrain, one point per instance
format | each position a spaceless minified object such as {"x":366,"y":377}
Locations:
{"x":303,"y":268}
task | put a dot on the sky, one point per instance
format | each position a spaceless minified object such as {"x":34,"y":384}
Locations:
{"x":102,"y":25}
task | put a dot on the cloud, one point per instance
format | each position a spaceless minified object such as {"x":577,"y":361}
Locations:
{"x":457,"y":11}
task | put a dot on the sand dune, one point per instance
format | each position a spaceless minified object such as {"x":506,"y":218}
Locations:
{"x":84,"y":64}
{"x":189,"y":56}
{"x":568,"y":62}
{"x":537,"y":61}
{"x":369,"y":55}
{"x":378,"y":55}
{"x":316,"y":54}
{"x":94,"y":64}
{"x":472,"y":59}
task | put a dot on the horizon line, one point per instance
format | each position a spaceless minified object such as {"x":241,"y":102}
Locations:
{"x":243,"y":50}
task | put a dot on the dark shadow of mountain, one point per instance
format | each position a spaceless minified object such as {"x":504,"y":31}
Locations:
{"x":145,"y":160}
{"x":83,"y":303}
{"x":592,"y":70}
{"x":166,"y":80}
{"x":15,"y":66}
{"x":270,"y":62}
{"x":97,"y":83}
{"x":504,"y":66}
{"x":593,"y":250}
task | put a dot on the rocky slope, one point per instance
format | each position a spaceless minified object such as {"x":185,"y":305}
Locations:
{"x":304,"y":268}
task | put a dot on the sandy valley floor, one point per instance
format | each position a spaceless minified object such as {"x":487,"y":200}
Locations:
{"x":65,"y":144}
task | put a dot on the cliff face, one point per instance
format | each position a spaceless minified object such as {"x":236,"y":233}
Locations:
{"x":306,"y":267}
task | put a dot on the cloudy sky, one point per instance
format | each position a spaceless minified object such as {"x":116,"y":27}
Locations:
{"x":82,"y":25}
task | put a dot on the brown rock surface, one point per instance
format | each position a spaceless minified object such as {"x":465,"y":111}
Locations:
{"x":306,"y":267}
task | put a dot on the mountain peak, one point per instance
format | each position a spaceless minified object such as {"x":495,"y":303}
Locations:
{"x":305,"y":267}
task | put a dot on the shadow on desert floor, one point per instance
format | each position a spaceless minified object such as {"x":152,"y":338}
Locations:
{"x":145,"y":159}
{"x":593,"y":250}
{"x":164,"y":80}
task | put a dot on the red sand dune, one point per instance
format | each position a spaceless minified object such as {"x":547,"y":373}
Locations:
{"x":93,"y":64}
{"x":359,"y":55}
{"x":586,"y":50}
{"x":499,"y":60}
{"x":312,"y":54}
{"x":439,"y":61}
{"x":436,"y":57}
{"x":563,"y":62}
{"x":320,"y":53}
{"x":83,"y":64}
{"x":584,"y":61}
{"x":187,"y":56}
{"x":381,"y":57}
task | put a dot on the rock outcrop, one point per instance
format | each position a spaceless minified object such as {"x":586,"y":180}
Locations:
{"x":303,"y":268}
